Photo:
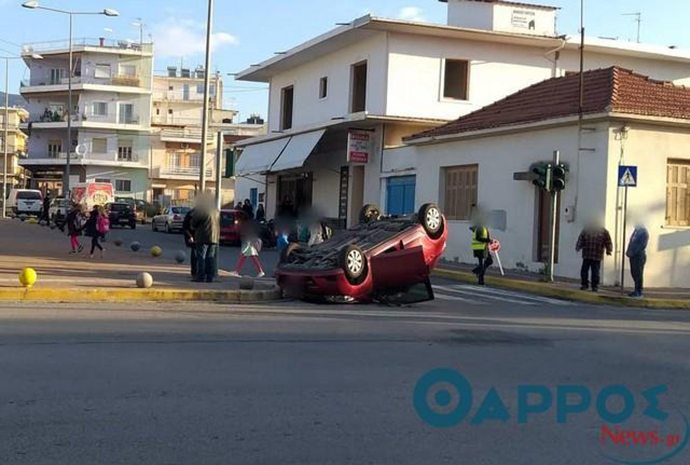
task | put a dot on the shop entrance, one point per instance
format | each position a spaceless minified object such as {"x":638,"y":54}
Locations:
{"x":295,"y":190}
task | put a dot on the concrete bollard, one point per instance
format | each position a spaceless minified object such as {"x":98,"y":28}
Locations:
{"x":135,"y":246}
{"x":180,"y":256}
{"x":144,"y":280}
{"x":28,"y":277}
{"x":156,"y":251}
{"x":247,"y":283}
{"x":118,"y":242}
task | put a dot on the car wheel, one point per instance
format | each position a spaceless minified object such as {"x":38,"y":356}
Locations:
{"x":369,"y":213}
{"x":354,"y":264}
{"x":431,"y":220}
{"x":291,"y":248}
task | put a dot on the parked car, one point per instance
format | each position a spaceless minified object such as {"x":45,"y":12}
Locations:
{"x":25,"y":201}
{"x":170,"y":220}
{"x":121,"y":214}
{"x":57,"y":213}
{"x":382,"y":258}
{"x":230,"y":223}
{"x":141,"y":207}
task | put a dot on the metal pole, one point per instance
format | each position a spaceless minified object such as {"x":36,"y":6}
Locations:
{"x":554,"y":222}
{"x":207,"y":84}
{"x":65,"y":189}
{"x":6,"y":137}
{"x":625,"y":227}
{"x":219,"y":164}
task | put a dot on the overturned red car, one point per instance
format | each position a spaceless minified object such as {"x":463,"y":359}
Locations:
{"x":383,"y":258}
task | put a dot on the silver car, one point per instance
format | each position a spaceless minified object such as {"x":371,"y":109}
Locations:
{"x":170,"y":220}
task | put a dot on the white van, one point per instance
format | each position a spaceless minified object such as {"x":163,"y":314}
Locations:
{"x":27,"y":201}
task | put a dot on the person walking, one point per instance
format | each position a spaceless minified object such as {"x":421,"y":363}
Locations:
{"x":593,"y":242}
{"x":46,"y":208}
{"x":480,"y":248}
{"x":91,"y":230}
{"x":251,"y":245}
{"x":75,"y":223}
{"x":248,"y":209}
{"x":189,"y":240}
{"x":206,"y":226}
{"x":103,"y":223}
{"x":260,"y":213}
{"x":637,"y":253}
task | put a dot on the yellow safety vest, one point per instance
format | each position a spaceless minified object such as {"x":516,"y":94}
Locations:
{"x":479,"y":238}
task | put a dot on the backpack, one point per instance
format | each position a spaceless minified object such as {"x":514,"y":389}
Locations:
{"x":103,"y":225}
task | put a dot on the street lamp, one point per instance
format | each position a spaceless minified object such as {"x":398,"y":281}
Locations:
{"x":7,"y":128}
{"x":34,"y":5}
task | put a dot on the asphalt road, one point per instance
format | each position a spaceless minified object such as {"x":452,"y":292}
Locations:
{"x":292,"y":383}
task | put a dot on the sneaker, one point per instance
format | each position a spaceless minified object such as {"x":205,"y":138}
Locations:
{"x":595,"y":289}
{"x":90,"y":255}
{"x":261,"y":274}
{"x":72,"y":251}
{"x":584,"y":288}
{"x":234,"y":274}
{"x":81,"y":247}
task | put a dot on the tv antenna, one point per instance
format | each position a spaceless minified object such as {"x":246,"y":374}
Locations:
{"x":638,"y":20}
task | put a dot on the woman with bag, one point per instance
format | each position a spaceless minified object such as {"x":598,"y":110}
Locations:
{"x":91,"y":230}
{"x":251,"y":246}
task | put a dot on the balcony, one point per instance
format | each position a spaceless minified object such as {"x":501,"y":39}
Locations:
{"x":180,"y":96}
{"x":179,"y":172}
{"x":38,"y":85}
{"x":56,"y":119}
{"x":111,"y":158}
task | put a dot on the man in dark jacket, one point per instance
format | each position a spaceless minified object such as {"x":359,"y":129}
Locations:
{"x":593,"y":242}
{"x":46,"y":207}
{"x":189,"y":240}
{"x":637,"y":253}
{"x":206,"y":226}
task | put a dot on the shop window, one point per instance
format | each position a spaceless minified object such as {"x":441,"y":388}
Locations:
{"x":358,"y":101}
{"x":456,"y":79}
{"x":678,"y":193}
{"x":460,"y":191}
{"x":287,"y":106}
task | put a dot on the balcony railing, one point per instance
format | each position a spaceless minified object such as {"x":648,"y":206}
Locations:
{"x":122,"y":80}
{"x":49,"y":116}
{"x":181,"y":96}
{"x":111,"y":156}
{"x":180,"y":171}
{"x":108,"y":44}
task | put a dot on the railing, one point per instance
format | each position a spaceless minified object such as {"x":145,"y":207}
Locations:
{"x":187,"y":133}
{"x":165,"y":171}
{"x":180,"y":96}
{"x":109,"y":44}
{"x":112,"y":156}
{"x":57,"y":117}
{"x":121,"y":80}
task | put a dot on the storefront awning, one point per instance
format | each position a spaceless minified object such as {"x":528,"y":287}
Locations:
{"x":297,"y":151}
{"x":258,"y":158}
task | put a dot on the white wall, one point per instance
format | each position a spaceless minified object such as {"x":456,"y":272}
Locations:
{"x":308,"y":108}
{"x":498,"y":158}
{"x":501,"y":17}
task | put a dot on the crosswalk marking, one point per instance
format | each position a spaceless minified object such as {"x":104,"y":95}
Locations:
{"x":482,"y":295}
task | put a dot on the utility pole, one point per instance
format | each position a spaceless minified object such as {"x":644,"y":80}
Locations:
{"x":554,"y":220}
{"x":207,"y":85}
{"x":5,"y":138}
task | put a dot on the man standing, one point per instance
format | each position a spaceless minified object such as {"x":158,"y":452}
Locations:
{"x":637,"y":253}
{"x":593,"y":242}
{"x":189,"y":240}
{"x":206,"y":226}
{"x":46,"y":207}
{"x":480,"y":248}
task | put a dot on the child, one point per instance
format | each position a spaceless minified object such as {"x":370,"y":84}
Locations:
{"x":103,"y":224}
{"x":91,"y":230}
{"x":251,"y":245}
{"x":74,"y":226}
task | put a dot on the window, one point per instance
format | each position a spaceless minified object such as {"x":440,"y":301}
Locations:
{"x":287,"y":102}
{"x":99,"y":145}
{"x":170,"y":88}
{"x":170,"y":112}
{"x":123,"y":185}
{"x":194,"y":160}
{"x":460,"y":184}
{"x":102,"y":71}
{"x":100,"y":108}
{"x":323,"y":87}
{"x":124,"y":150}
{"x":54,"y":148}
{"x":126,"y":113}
{"x":128,"y":70}
{"x":103,"y":180}
{"x":456,"y":79}
{"x":359,"y":88}
{"x":678,"y":193}
{"x":200,"y":89}
{"x":57,"y":75}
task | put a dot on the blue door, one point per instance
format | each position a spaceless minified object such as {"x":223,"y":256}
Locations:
{"x":400,"y":195}
{"x":254,"y":196}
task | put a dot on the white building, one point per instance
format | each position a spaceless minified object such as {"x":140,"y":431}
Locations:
{"x":392,"y":78}
{"x":111,"y":113}
{"x":629,"y":119}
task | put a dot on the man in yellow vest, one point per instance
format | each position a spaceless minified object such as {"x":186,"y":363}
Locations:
{"x":480,"y":248}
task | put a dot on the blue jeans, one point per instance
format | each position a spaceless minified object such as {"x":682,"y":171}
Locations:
{"x":206,"y":261}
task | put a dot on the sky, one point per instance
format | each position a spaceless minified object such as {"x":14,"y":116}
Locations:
{"x":247,"y":32}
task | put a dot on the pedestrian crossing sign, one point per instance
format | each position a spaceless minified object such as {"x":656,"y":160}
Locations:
{"x":627,"y":176}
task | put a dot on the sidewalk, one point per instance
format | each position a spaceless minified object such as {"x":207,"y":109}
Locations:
{"x":568,"y":289}
{"x":70,"y":277}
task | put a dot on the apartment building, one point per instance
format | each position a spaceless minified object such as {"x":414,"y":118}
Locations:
{"x":178,"y":99}
{"x":341,"y":103}
{"x":111,"y":113}
{"x":16,"y":145}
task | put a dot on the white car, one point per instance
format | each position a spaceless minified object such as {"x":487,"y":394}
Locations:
{"x":25,"y":201}
{"x":170,"y":220}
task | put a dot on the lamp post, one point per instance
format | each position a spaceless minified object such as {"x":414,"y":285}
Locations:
{"x":34,"y":5}
{"x":207,"y":83}
{"x":6,"y":123}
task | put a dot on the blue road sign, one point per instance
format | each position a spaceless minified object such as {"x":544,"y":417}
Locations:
{"x":627,"y":176}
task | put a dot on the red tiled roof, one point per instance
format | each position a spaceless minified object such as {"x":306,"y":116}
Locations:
{"x":606,"y":90}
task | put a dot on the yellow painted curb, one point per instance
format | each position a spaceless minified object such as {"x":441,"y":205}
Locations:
{"x":553,"y":290}
{"x":135,"y":295}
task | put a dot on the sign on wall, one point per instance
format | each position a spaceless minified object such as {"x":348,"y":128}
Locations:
{"x":359,"y":146}
{"x":524,"y":19}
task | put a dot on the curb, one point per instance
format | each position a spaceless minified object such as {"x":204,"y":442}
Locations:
{"x":135,"y":295}
{"x":551,"y":290}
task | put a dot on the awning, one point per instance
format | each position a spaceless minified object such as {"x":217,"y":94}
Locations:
{"x":297,"y":151}
{"x":258,"y":158}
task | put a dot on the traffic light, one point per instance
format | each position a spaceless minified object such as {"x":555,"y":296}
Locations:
{"x":543,"y":180}
{"x":558,"y":175}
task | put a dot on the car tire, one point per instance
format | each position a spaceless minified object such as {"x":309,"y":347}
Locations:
{"x":369,"y":213}
{"x":354,"y":263}
{"x":291,"y":248}
{"x":432,"y":220}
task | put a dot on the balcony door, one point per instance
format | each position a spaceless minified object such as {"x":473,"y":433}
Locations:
{"x":126,"y":113}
